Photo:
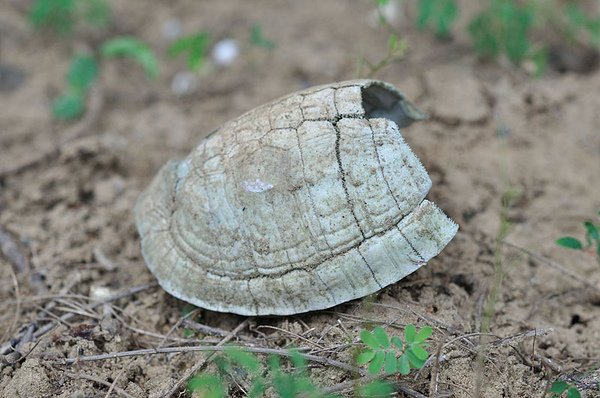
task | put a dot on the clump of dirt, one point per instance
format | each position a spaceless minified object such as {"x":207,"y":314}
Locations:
{"x":65,"y":203}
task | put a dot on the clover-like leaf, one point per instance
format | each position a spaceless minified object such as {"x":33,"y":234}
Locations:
{"x":403,"y":365}
{"x":397,"y":342}
{"x":209,"y":386}
{"x":409,"y":333}
{"x":244,"y":359}
{"x":365,"y":357}
{"x":389,"y":364}
{"x":370,"y":340}
{"x":414,"y":360}
{"x":376,"y":363}
{"x":423,"y":334}
{"x":381,"y":336}
{"x":419,"y":352}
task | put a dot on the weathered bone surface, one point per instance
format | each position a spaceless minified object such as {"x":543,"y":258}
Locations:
{"x":306,"y":202}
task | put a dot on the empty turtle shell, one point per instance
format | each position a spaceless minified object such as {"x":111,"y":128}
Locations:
{"x":298,"y":205}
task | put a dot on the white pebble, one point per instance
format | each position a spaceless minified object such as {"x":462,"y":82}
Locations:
{"x":184,"y":83}
{"x":225,"y":52}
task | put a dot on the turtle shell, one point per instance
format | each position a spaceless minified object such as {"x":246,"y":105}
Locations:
{"x":298,"y":205}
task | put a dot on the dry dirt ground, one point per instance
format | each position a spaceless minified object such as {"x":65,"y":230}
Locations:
{"x":494,"y":133}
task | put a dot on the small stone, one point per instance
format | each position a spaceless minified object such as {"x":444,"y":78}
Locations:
{"x":225,"y":52}
{"x":184,"y":83}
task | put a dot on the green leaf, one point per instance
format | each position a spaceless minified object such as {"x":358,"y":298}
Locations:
{"x":558,"y":387}
{"x":376,"y":389}
{"x":244,"y":359}
{"x":573,"y":392}
{"x":274,"y":363}
{"x":68,"y":106}
{"x":423,"y":334}
{"x":409,"y":333}
{"x":570,"y":243}
{"x":132,"y":48}
{"x":209,"y":386}
{"x":592,"y":230}
{"x":389,"y":364}
{"x":258,"y":39}
{"x":397,"y":342}
{"x":365,"y":357}
{"x":415,"y":361}
{"x":53,"y":14}
{"x":82,"y":72}
{"x":419,"y":352}
{"x":96,"y":12}
{"x":370,"y":340}
{"x":381,"y":336}
{"x":258,"y":387}
{"x":298,"y":360}
{"x":376,"y":363}
{"x":196,"y":46}
{"x":403,"y":365}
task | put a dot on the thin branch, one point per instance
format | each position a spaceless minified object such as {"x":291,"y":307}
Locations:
{"x":209,"y":330}
{"x":216,"y":348}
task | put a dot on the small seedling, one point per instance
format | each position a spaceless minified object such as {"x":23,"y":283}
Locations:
{"x":82,"y":74}
{"x":560,"y":387}
{"x":396,"y":49}
{"x":62,"y":15}
{"x":84,"y":71}
{"x":196,"y":48}
{"x":393,"y":354}
{"x":130,"y":47}
{"x":592,"y":239}
{"x":258,"y":39}
{"x":236,"y":364}
{"x":441,"y":14}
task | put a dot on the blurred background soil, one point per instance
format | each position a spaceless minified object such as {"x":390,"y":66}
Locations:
{"x":495,"y":132}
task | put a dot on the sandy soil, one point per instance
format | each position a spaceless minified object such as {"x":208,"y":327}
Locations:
{"x":494,"y":133}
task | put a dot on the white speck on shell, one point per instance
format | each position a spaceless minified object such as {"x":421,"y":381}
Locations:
{"x":257,"y":186}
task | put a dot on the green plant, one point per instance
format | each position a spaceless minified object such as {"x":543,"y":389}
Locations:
{"x":592,"y":239}
{"x":245,"y":368}
{"x":441,"y":14}
{"x":396,"y":49}
{"x":84,"y":71}
{"x":195,"y":46}
{"x":560,"y":387}
{"x":291,"y":378}
{"x":578,"y":21}
{"x":258,"y":39}
{"x":393,"y":354}
{"x":62,"y":15}
{"x":130,"y":47}
{"x":503,"y":27}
